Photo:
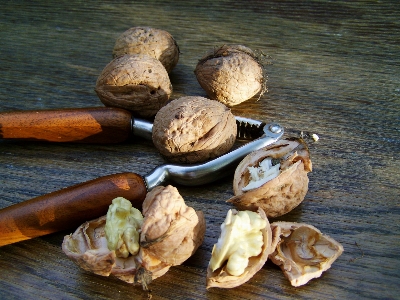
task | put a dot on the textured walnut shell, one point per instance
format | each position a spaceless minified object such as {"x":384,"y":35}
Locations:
{"x":221,"y":279}
{"x":170,"y":234}
{"x":153,"y":42}
{"x":136,"y":82}
{"x":302,"y":251}
{"x":230,"y":74}
{"x":281,"y":194}
{"x":171,"y":230}
{"x":194,"y":129}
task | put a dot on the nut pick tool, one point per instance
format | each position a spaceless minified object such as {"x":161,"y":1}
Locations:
{"x":72,"y":206}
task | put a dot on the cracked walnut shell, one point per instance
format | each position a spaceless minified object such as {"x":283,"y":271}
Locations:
{"x":302,"y":251}
{"x":153,"y":42}
{"x":282,"y":191}
{"x":135,"y":82}
{"x":170,"y":233}
{"x":193,"y":129}
{"x":230,"y":74}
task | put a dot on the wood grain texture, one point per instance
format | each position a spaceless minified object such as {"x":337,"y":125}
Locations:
{"x":78,"y":125}
{"x":334,"y":71}
{"x":69,"y":207}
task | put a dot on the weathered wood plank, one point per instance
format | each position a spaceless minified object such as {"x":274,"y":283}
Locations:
{"x":335,"y":72}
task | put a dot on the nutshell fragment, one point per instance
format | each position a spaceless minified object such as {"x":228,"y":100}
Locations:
{"x":273,"y":178}
{"x":302,"y":251}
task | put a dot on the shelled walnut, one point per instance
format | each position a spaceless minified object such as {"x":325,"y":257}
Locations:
{"x":194,"y":129}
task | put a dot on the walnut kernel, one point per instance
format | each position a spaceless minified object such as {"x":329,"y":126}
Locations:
{"x":242,"y":249}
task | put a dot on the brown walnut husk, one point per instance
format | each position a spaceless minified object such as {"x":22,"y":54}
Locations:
{"x":302,"y":251}
{"x":135,"y":82}
{"x":153,"y":42}
{"x":222,"y":279}
{"x":231,"y":74}
{"x":194,"y":129}
{"x":284,"y":192}
{"x":171,"y":232}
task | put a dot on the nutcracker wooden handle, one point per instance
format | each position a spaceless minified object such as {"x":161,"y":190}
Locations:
{"x":68,"y":208}
{"x":83,"y":125}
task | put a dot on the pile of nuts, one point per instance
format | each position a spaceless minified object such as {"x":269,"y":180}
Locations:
{"x":139,"y":246}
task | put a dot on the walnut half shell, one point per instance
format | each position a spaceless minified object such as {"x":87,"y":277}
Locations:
{"x":222,"y":279}
{"x":302,"y":251}
{"x":281,"y":194}
{"x":171,"y":232}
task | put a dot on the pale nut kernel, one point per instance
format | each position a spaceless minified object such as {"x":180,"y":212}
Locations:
{"x":170,"y":233}
{"x":242,"y":249}
{"x":153,"y":42}
{"x":278,"y":190}
{"x":231,"y":74}
{"x":302,"y":251}
{"x":135,"y":82}
{"x":123,"y":223}
{"x":193,"y":129}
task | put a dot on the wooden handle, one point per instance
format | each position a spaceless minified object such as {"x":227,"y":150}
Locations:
{"x":68,"y":208}
{"x":83,"y":125}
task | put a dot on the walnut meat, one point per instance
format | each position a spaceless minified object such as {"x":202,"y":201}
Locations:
{"x":273,"y":178}
{"x":136,"y":82}
{"x":170,"y":233}
{"x":194,"y":129}
{"x":230,"y":74}
{"x":153,"y":42}
{"x":242,"y":249}
{"x":302,"y":251}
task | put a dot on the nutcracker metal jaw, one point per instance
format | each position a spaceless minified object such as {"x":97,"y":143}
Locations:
{"x":191,"y":175}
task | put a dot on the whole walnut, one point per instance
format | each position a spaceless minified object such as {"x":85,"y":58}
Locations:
{"x":231,"y":74}
{"x":143,"y":248}
{"x":273,"y":178}
{"x":302,"y":251}
{"x":153,"y":42}
{"x":194,"y":129}
{"x":135,"y":82}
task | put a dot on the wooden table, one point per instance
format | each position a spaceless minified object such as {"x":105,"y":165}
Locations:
{"x":335,"y":72}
